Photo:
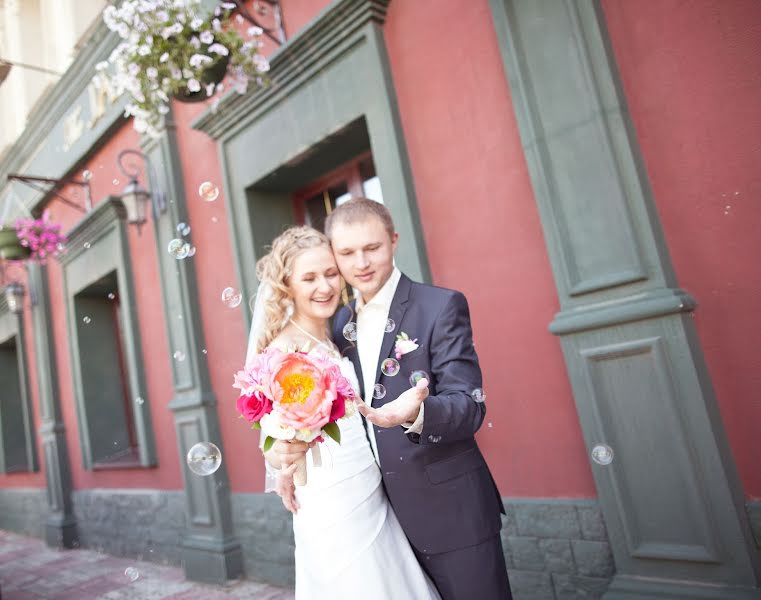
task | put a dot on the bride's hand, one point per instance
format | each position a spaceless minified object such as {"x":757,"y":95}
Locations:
{"x":286,"y":489}
{"x":289,"y":452}
{"x":404,"y":409}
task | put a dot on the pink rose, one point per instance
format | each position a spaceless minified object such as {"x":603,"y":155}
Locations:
{"x":338,"y":409}
{"x":254,"y":407}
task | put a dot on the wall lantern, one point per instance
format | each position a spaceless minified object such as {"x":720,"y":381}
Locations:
{"x":135,"y":197}
{"x":14,"y":296}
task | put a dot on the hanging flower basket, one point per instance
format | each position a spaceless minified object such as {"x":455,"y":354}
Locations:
{"x":212,"y":75}
{"x":10,"y":245}
{"x":176,"y":49}
{"x":40,"y":238}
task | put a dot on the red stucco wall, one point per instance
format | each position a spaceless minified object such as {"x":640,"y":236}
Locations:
{"x":692,"y":76}
{"x":689,"y":79}
{"x":483,"y":236}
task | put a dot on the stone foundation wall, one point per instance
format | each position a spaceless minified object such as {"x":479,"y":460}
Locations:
{"x":554,"y":549}
{"x":24,"y":510}
{"x":145,"y":524}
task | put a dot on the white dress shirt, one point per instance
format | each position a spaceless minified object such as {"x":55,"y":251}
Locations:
{"x":371,"y":327}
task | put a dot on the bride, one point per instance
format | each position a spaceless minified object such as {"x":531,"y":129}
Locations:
{"x":349,"y":543}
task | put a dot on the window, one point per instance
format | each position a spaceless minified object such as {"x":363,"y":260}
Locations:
{"x":105,"y":386}
{"x":17,"y":451}
{"x":313,"y":203}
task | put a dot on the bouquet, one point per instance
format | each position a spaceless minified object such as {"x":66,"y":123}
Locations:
{"x":294,"y":396}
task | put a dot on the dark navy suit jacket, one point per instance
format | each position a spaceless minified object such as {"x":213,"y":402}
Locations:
{"x":438,"y":482}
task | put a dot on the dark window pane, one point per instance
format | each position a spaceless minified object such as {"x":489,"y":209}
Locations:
{"x":320,"y":205}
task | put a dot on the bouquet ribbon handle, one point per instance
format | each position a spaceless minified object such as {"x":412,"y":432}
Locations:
{"x":316,"y":455}
{"x":300,"y":475}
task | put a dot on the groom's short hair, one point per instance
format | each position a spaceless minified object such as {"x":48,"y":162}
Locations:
{"x":359,"y":209}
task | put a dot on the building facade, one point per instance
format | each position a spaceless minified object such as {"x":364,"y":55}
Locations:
{"x":586,"y":172}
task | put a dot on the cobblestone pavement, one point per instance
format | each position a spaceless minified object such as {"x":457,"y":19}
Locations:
{"x":29,"y":570}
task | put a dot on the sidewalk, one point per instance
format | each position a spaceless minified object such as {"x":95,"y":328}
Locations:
{"x":29,"y":570}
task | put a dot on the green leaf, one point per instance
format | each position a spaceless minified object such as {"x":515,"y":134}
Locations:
{"x":268,"y":443}
{"x":333,"y":431}
{"x":255,"y":425}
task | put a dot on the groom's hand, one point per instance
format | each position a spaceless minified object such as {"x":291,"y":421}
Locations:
{"x":404,"y":409}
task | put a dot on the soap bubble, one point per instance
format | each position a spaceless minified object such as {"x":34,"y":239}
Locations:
{"x":379,"y":391}
{"x":350,"y":331}
{"x":417,"y":376}
{"x":183,"y":229}
{"x":231,"y":297}
{"x":602,"y":454}
{"x":390,"y":367}
{"x":208,"y":191}
{"x":132,"y":573}
{"x":179,"y":355}
{"x":204,"y":458}
{"x":478,"y":395}
{"x":390,"y":325}
{"x":178,"y":248}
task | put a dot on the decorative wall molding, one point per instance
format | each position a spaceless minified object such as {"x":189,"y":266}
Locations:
{"x":297,"y":61}
{"x":671,"y":498}
{"x":209,"y":550}
{"x":60,"y":530}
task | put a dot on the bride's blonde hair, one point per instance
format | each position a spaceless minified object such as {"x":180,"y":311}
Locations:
{"x":275,"y":269}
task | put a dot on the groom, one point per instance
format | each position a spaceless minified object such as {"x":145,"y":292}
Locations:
{"x":434,"y":474}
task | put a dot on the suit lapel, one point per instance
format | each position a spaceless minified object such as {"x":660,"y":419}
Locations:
{"x":396,"y":312}
{"x":350,"y":349}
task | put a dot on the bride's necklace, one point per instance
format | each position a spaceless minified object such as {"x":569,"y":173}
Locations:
{"x":306,"y":333}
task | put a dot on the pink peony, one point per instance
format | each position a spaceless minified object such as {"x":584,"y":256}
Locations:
{"x":259,"y":372}
{"x":305,"y":389}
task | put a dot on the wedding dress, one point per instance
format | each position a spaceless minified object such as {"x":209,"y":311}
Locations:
{"x":349,"y":543}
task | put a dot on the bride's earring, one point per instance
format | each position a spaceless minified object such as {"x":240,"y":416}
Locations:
{"x":289,"y":309}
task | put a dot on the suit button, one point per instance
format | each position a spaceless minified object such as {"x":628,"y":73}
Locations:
{"x":434,"y":438}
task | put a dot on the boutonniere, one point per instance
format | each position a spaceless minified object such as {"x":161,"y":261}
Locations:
{"x":404,"y":345}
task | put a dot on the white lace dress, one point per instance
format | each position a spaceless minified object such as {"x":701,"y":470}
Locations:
{"x":349,"y":543}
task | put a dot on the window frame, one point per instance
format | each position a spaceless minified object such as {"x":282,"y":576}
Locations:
{"x":103,"y":230}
